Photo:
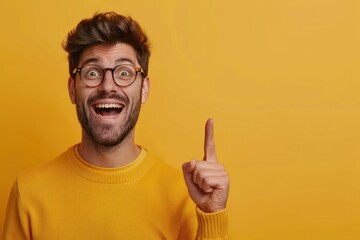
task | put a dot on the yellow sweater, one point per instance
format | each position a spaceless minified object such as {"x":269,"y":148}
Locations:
{"x":68,"y":198}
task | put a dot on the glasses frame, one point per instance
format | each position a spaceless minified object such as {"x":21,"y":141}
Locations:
{"x":137,"y":70}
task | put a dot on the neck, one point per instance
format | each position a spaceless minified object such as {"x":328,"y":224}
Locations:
{"x":109,"y":157}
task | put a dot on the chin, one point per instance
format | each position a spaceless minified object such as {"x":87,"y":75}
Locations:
{"x":107,"y":138}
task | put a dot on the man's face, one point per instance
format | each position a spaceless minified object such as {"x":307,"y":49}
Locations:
{"x":108,"y":113}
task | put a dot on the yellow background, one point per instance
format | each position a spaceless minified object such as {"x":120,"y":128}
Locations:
{"x":280,"y":78}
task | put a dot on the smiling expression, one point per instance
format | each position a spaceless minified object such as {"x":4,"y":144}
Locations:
{"x":108,"y":113}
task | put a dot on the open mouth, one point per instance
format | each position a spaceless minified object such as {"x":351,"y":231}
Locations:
{"x":108,"y":109}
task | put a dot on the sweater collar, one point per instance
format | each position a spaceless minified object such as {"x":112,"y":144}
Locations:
{"x":122,"y":174}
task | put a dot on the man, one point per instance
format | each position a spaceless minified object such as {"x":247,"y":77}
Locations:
{"x":107,"y":187}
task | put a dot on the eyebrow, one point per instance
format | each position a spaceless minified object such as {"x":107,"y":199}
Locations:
{"x":118,"y":61}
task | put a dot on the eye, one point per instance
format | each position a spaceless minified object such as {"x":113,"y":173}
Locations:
{"x":92,"y":73}
{"x":124,"y":72}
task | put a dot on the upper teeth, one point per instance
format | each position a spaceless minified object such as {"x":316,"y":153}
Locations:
{"x":108,"y":105}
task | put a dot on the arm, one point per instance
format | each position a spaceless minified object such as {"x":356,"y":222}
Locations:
{"x":17,"y":221}
{"x":208,"y":186}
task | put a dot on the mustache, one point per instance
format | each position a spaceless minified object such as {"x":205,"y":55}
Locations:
{"x":104,"y":95}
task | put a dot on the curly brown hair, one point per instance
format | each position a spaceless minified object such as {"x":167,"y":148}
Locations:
{"x":107,"y":28}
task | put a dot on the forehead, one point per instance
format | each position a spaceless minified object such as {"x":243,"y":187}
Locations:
{"x":109,"y":55}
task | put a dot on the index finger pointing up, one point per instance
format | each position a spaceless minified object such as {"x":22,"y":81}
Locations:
{"x":209,"y":144}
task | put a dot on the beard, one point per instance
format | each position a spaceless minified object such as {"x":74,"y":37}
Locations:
{"x":108,"y":135}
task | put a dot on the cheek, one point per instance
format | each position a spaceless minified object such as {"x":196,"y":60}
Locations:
{"x":134,"y":93}
{"x":82,"y":95}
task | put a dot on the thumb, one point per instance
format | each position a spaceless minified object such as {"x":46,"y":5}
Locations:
{"x":188,"y":169}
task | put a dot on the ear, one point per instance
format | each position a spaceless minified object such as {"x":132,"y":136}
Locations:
{"x":145,"y":89}
{"x":71,"y":88}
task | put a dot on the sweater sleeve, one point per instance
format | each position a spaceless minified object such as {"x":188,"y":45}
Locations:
{"x":212,"y":226}
{"x":17,"y":221}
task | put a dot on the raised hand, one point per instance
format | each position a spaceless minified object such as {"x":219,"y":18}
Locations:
{"x":207,"y":180}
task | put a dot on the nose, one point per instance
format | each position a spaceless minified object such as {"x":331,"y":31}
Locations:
{"x":108,"y":84}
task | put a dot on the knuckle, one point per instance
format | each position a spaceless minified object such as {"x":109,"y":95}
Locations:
{"x":205,"y":185}
{"x":221,"y":167}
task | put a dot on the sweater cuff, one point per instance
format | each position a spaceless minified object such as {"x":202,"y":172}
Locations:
{"x":212,"y":225}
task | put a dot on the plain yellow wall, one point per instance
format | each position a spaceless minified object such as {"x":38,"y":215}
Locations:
{"x":280,"y":78}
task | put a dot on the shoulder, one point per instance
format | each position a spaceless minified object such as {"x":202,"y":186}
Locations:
{"x":46,"y":171}
{"x":163,"y":172}
{"x":167,"y":183}
{"x":163,"y":167}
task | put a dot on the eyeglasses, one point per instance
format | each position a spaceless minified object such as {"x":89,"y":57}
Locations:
{"x":123,"y":75}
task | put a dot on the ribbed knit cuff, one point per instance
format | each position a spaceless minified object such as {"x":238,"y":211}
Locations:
{"x":212,"y":226}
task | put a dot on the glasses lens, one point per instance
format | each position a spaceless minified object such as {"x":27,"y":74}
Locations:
{"x":91,"y":75}
{"x":124,"y":74}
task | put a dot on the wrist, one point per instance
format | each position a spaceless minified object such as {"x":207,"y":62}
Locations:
{"x":213,"y":208}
